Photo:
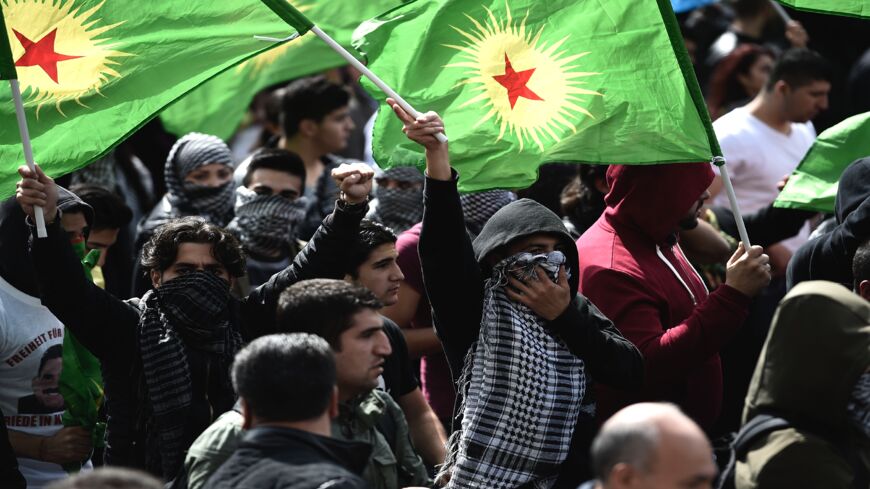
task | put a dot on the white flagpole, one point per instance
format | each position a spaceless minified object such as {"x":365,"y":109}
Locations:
{"x":781,"y":11}
{"x":28,"y":150}
{"x":371,"y":76}
{"x":732,"y":198}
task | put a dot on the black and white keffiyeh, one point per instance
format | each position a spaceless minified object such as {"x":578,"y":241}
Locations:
{"x":478,"y":207}
{"x":266,"y":224}
{"x":192,"y":151}
{"x":189,"y":311}
{"x":398,"y":208}
{"x":524,"y":390}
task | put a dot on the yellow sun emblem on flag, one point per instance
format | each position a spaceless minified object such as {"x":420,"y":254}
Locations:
{"x":262,"y":60}
{"x":58,"y":52}
{"x":529,"y":86}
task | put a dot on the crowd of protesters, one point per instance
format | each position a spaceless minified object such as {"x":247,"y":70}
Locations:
{"x":279,"y":311}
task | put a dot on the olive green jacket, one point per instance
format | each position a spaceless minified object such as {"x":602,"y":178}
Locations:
{"x":394,"y":463}
{"x":817,"y":348}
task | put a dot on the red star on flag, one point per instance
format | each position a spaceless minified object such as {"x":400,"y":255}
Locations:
{"x":41,"y":53}
{"x":515,"y":82}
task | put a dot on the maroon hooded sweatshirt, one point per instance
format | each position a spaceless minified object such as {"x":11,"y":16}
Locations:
{"x":633,"y":270}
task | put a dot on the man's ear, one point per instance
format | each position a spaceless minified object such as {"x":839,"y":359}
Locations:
{"x":308,"y":127}
{"x":864,"y":289}
{"x":622,"y":475}
{"x":333,"y":403}
{"x":247,"y":415}
{"x":155,"y":278}
{"x":782,"y":88}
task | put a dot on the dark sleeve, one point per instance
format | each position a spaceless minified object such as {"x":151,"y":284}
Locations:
{"x":451,"y":275}
{"x":398,"y":374}
{"x":8,"y":462}
{"x":829,"y":257}
{"x":767,"y":226}
{"x":98,"y":320}
{"x":610,"y":358}
{"x":322,"y":257}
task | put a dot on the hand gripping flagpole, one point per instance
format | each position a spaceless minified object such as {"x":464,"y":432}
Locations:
{"x":732,"y":198}
{"x":364,"y":70}
{"x":28,"y":150}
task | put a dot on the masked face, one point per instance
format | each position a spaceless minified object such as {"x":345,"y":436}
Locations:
{"x":399,"y":208}
{"x":195,"y":301}
{"x":266,"y":224}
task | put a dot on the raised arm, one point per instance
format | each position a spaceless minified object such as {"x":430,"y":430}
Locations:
{"x":450,"y":273}
{"x":99,"y":321}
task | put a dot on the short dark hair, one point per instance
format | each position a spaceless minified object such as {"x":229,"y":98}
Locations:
{"x":110,"y":210}
{"x":799,"y":67}
{"x":275,"y":159}
{"x":310,"y":98}
{"x":109,"y":478}
{"x":861,"y":264}
{"x":161,"y":251}
{"x":371,"y":235}
{"x":285,"y":377}
{"x":55,"y":351}
{"x":748,"y":8}
{"x":324,"y":307}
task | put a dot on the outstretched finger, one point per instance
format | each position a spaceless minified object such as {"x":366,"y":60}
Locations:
{"x":400,"y":112}
{"x":563,"y":277}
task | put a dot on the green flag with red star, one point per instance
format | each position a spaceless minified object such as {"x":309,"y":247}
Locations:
{"x":524,"y":82}
{"x":7,"y":64}
{"x":851,"y":8}
{"x":218,"y":106}
{"x":93,"y":71}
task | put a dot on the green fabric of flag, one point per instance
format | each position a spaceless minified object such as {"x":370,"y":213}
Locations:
{"x":218,"y":107}
{"x":93,"y":71}
{"x":813,"y":184}
{"x":7,"y":64}
{"x":81,"y":380}
{"x":851,"y":8}
{"x":524,"y":82}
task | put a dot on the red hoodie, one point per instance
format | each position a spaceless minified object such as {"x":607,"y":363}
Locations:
{"x":678,"y":327}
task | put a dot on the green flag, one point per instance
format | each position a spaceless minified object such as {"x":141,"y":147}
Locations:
{"x":851,"y":8}
{"x":218,"y":106}
{"x":523,"y":82}
{"x":93,"y":71}
{"x":813,"y":184}
{"x":7,"y":64}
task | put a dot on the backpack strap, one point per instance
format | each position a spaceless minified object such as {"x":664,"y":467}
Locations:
{"x":754,"y":429}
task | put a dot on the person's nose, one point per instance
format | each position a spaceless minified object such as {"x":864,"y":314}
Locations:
{"x":397,"y":275}
{"x":823,"y":103}
{"x":382,"y":346}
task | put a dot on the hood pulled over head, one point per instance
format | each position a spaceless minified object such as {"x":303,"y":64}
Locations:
{"x":654,"y":198}
{"x":519,"y":219}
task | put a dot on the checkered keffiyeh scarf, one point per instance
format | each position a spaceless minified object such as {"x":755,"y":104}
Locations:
{"x":189,"y":311}
{"x":398,"y":208}
{"x":524,"y":390}
{"x":478,"y":207}
{"x":189,"y":153}
{"x":266,"y":223}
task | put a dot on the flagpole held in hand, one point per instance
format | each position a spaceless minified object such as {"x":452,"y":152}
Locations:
{"x":28,"y":151}
{"x":732,"y":198}
{"x":780,"y":11}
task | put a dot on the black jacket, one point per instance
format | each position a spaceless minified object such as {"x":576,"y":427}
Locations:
{"x":454,"y":274}
{"x":285,"y":458}
{"x":766,"y":226}
{"x":108,"y":327}
{"x":829,"y":257}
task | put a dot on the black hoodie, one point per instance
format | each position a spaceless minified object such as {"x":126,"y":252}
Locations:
{"x":454,"y":273}
{"x":829,"y":257}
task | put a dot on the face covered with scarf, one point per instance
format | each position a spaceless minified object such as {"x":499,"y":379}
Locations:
{"x":209,"y":196}
{"x":400,"y":198}
{"x":478,"y":207}
{"x":522,"y":384}
{"x":266,"y":224}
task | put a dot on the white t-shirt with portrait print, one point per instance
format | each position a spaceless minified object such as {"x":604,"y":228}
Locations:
{"x":31,"y":347}
{"x":758,"y":157}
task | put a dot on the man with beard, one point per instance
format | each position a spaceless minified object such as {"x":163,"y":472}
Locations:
{"x":165,"y":356}
{"x":633,"y":269}
{"x":269,"y":208}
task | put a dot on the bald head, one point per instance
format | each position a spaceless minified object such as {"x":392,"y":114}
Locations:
{"x":651,"y":446}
